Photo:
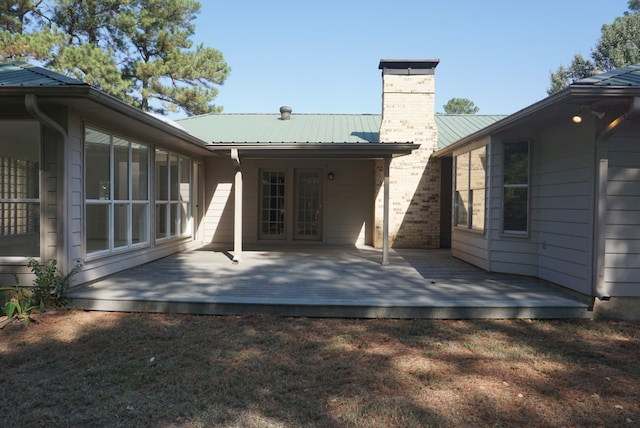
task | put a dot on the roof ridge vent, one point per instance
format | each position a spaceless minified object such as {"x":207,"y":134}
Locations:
{"x":285,"y":112}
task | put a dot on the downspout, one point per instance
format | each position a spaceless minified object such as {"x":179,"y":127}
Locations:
{"x":237,"y":210}
{"x":602,"y":170}
{"x":31,"y":104}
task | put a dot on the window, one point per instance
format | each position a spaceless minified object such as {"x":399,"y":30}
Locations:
{"x":116,"y":191}
{"x":515,"y":217}
{"x":173,"y":190}
{"x":471,"y":172}
{"x":20,"y":189}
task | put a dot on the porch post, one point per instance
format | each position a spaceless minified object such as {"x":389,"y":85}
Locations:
{"x":385,"y":213}
{"x":237,"y":208}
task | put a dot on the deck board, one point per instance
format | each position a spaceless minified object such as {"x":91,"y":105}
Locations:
{"x":327,"y":282}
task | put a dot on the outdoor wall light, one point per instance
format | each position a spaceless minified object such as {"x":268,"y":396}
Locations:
{"x":578,"y":117}
{"x":331,"y":176}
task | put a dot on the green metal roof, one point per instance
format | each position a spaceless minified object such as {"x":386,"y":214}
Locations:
{"x":14,"y":74}
{"x":267,"y":128}
{"x":626,"y":76}
{"x":318,"y":128}
{"x":453,"y":127}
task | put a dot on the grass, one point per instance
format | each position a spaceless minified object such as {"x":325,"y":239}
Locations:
{"x":74,"y":368}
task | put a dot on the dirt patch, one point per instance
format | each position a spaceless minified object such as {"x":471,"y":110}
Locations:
{"x":75,"y":368}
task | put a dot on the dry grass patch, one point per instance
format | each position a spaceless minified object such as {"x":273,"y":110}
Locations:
{"x":74,"y":368}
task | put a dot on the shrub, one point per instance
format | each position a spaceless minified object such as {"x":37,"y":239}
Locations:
{"x":50,"y":284}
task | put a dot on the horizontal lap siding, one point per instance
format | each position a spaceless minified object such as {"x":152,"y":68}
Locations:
{"x":562,"y":207}
{"x":217,"y":224}
{"x":622,"y":235}
{"x":349,"y":203}
{"x":472,"y":246}
{"x":509,"y":254}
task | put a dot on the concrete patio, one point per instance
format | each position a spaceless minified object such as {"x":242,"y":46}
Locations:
{"x":327,"y":282}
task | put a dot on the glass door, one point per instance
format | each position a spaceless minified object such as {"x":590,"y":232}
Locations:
{"x":273,"y":206}
{"x":308,"y":205}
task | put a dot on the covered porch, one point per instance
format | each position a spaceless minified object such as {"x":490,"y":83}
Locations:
{"x":323,"y":281}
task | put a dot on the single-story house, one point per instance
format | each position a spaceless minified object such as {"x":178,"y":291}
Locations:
{"x":85,"y":177}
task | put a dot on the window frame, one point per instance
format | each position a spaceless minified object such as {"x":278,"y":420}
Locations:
{"x":112,"y":202}
{"x":505,"y":186}
{"x":174,"y":210}
{"x":468,"y":223}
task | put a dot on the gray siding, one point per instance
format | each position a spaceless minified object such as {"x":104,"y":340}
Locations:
{"x":622,"y":231}
{"x":509,"y":254}
{"x":73,"y":190}
{"x":562,"y":206}
{"x":558,"y":245}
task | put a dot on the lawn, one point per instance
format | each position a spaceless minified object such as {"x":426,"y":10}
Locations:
{"x":75,"y":368}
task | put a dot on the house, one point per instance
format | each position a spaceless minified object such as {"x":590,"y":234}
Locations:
{"x":85,"y":177}
{"x":88,"y":178}
{"x":553,"y":191}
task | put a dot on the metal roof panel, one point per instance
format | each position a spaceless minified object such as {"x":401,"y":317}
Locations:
{"x":318,"y":128}
{"x":14,"y":74}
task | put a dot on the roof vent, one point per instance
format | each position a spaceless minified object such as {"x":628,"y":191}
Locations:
{"x":285,"y":112}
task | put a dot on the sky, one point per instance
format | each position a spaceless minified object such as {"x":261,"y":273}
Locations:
{"x":323,"y":56}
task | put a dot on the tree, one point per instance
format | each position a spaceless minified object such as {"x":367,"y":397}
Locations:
{"x":564,"y":76}
{"x":460,"y":106}
{"x":137,"y":50}
{"x":618,"y":46}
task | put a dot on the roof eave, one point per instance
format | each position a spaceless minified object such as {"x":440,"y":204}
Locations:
{"x":325,"y":150}
{"x":573,"y":91}
{"x":108,"y":101}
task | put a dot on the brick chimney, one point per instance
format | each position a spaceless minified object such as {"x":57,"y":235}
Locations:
{"x":408,"y":115}
{"x":408,"y":100}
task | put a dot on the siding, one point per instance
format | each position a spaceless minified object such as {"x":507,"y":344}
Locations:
{"x":74,"y":191}
{"x":558,"y":246}
{"x":217,"y":224}
{"x":508,"y":254}
{"x":347,"y":207}
{"x":622,"y":230}
{"x":562,"y":206}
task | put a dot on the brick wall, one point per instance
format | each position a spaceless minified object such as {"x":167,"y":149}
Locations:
{"x":408,"y":109}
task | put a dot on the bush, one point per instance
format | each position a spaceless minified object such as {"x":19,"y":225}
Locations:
{"x":50,"y":284}
{"x":48,"y":290}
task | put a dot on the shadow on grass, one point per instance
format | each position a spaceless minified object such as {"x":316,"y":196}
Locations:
{"x":99,"y":369}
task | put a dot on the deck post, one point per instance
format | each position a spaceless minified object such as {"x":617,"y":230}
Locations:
{"x":237,"y":208}
{"x":385,"y":213}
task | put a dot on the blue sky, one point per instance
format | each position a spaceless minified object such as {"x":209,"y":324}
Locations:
{"x":322,"y":57}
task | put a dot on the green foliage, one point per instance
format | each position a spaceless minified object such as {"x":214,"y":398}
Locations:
{"x":619,"y":43}
{"x":618,"y":46}
{"x":48,"y":288}
{"x":139,"y":51}
{"x":50,"y":284}
{"x":564,"y":76}
{"x":18,"y":304}
{"x":460,"y":106}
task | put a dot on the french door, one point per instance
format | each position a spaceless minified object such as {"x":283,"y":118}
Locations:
{"x":291,"y":204}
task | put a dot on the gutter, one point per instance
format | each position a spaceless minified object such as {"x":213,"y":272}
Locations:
{"x":574,"y":91}
{"x":62,"y":93}
{"x":31,"y":104}
{"x":297,"y":150}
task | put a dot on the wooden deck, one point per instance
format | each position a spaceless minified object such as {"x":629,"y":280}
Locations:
{"x":327,"y":282}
